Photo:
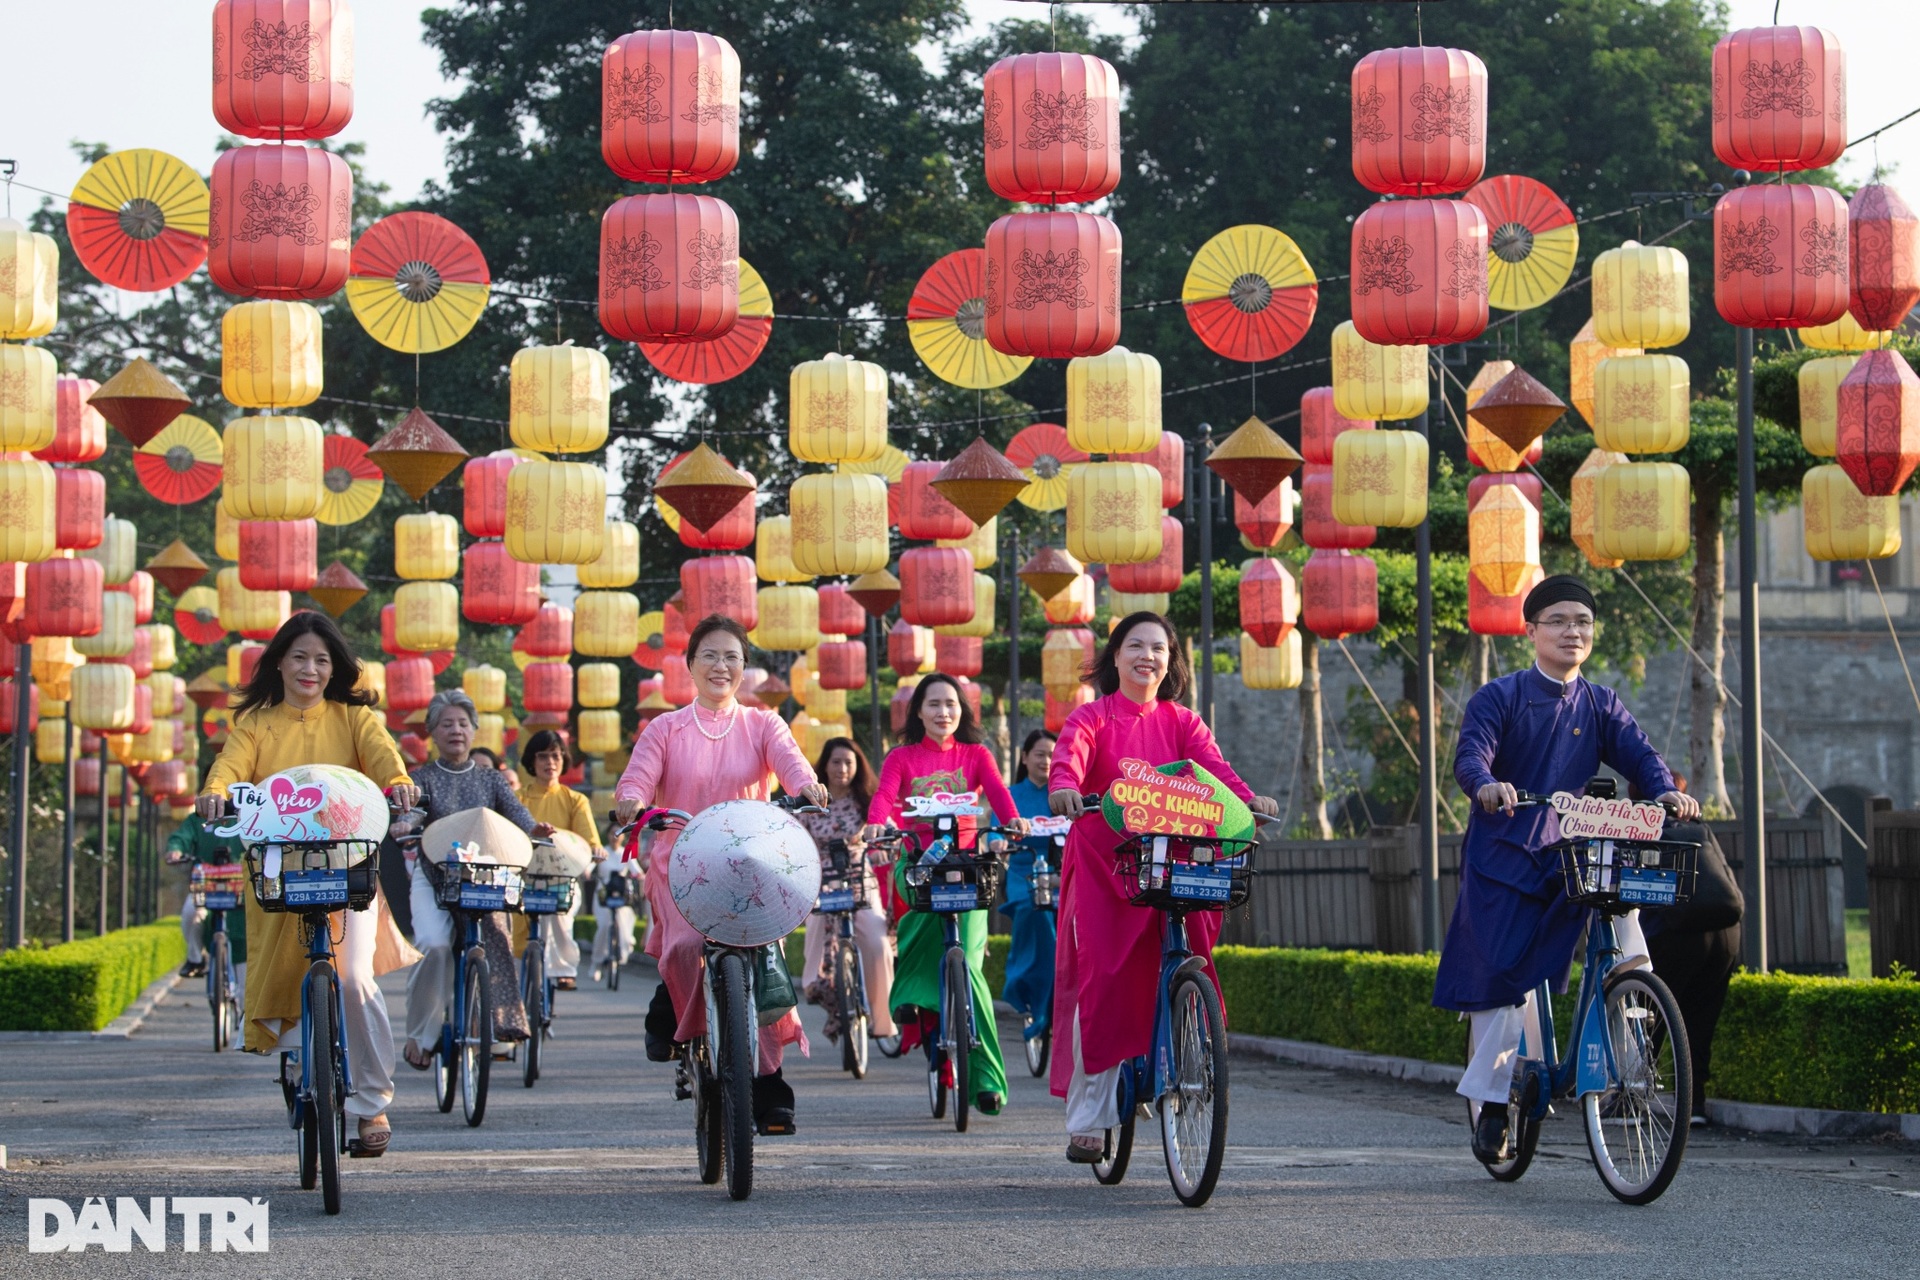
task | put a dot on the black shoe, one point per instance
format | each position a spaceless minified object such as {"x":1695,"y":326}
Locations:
{"x":661,"y":1024}
{"x":193,"y":970}
{"x":1490,"y":1135}
{"x":773,"y":1105}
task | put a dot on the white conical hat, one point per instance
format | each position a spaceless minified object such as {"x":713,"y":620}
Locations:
{"x":744,"y":873}
{"x":569,"y":856}
{"x":499,"y":841}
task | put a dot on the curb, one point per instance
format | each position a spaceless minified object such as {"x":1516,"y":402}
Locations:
{"x":121,"y":1027}
{"x":1326,"y":1055}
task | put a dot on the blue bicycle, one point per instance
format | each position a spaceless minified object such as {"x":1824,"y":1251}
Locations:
{"x":1044,"y":892}
{"x":544,"y":896}
{"x":217,"y":887}
{"x":464,"y":1051}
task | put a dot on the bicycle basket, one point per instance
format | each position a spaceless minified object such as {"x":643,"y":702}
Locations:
{"x":548,"y":895}
{"x":1628,"y":873}
{"x":340,"y":874}
{"x":476,"y":886}
{"x":218,"y":887}
{"x":842,"y":886}
{"x":956,"y":884}
{"x":1172,"y":873}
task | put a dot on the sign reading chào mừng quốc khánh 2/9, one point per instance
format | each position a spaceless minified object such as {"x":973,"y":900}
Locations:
{"x":1154,"y":803}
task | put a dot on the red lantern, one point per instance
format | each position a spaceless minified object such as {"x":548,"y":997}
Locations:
{"x":250,"y":663}
{"x":483,"y":486}
{"x":731,"y":532}
{"x":1052,"y":128}
{"x":1053,"y":284}
{"x":673,"y":626}
{"x":1420,"y":272}
{"x":725,"y":585}
{"x":669,"y":269}
{"x":279,"y":555}
{"x":9,"y":701}
{"x":79,"y":433}
{"x":544,"y":686}
{"x":1877,"y":441}
{"x":140,"y":587}
{"x":13,"y":600}
{"x":1419,"y":121}
{"x":282,"y":69}
{"x":924,"y":512}
{"x":1492,"y":615}
{"x":1169,"y":458}
{"x":1058,"y":709}
{"x":86,"y":774}
{"x":1269,"y":601}
{"x":1779,"y":99}
{"x":549,"y":634}
{"x":1525,"y":481}
{"x":497,"y":590}
{"x":670,"y":107}
{"x":676,"y":682}
{"x":388,"y":645}
{"x":842,"y":664}
{"x":280,"y":222}
{"x":909,"y":648}
{"x":958,"y":655}
{"x":936,"y":586}
{"x":1780,"y":256}
{"x":165,"y":779}
{"x":1339,"y":594}
{"x":1883,"y":257}
{"x":1162,"y":573}
{"x":1320,"y":423}
{"x":1318,"y":528}
{"x":415,"y":748}
{"x":142,"y":710}
{"x":79,"y":508}
{"x":63,"y":599}
{"x":840,"y":613}
{"x":897,"y":708}
{"x":1265,"y":522}
{"x":971,"y":692}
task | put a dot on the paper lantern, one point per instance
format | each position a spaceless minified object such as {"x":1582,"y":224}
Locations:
{"x":1484,"y":448}
{"x":1877,"y":436}
{"x":486,"y":685}
{"x":270,"y":354}
{"x":1266,"y":522}
{"x":595,"y":684}
{"x":701,"y":488}
{"x":139,"y":401}
{"x":483,"y":489}
{"x":79,"y":432}
{"x":1057,"y":709}
{"x":1321,"y":422}
{"x":162,"y":642}
{"x":1841,"y":523}
{"x":983,"y":544}
{"x":1883,"y":257}
{"x":1503,"y":539}
{"x":1420,"y":272}
{"x":1640,"y":404}
{"x":1779,"y":99}
{"x":115,"y":552}
{"x":556,"y":512}
{"x":547,"y":687}
{"x":1527,"y":483}
{"x":496,"y":589}
{"x":409,"y":684}
{"x":102,"y":697}
{"x":839,"y":523}
{"x":1271,"y":667}
{"x":789,"y":618}
{"x":606,"y":624}
{"x":1583,"y":502}
{"x":282,"y":69}
{"x":1419,"y":121}
{"x":1492,"y":615}
{"x":1169,"y":458}
{"x":1073,"y":605}
{"x":843,"y":664}
{"x":1065,"y":656}
{"x":1844,"y":334}
{"x":1113,"y":402}
{"x":910,"y":649}
{"x":670,"y":106}
{"x":1053,"y":284}
{"x":619,"y":562}
{"x":676,"y":681}
{"x":53,"y":663}
{"x":936,"y":586}
{"x":427,"y":616}
{"x":1584,"y":355}
{"x":837,"y":410}
{"x":175,"y":566}
{"x":29,"y":513}
{"x":1642,"y":511}
{"x":721,"y":585}
{"x":1373,"y":382}
{"x":279,"y":222}
{"x":29,"y":282}
{"x":559,"y":399}
{"x":254,"y":614}
{"x":138,"y":655}
{"x":669,"y":269}
{"x":63,"y":598}
{"x":1052,"y":128}
{"x":1380,"y":478}
{"x":416,"y":454}
{"x":840,"y":613}
{"x":1820,"y":380}
{"x":1113,"y":513}
{"x":925,"y":513}
{"x":1318,"y":528}
{"x":140,"y":586}
{"x":1640,"y":296}
{"x":1339,"y":594}
{"x":876,"y":592}
{"x":425,"y":546}
{"x":29,"y":407}
{"x":599,"y":732}
{"x":980,"y":622}
{"x":958,"y":655}
{"x":50,"y":742}
{"x":280,"y":555}
{"x":980,"y":481}
{"x":271,"y":468}
{"x":1163,"y":572}
{"x":80,"y":508}
{"x":773,"y":551}
{"x":1517,"y":410}
{"x":1269,"y":601}
{"x":1780,"y":256}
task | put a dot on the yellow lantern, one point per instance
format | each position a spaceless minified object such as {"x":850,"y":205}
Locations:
{"x":271,"y":468}
{"x":1642,"y":511}
{"x":1072,"y":607}
{"x":165,"y":701}
{"x":490,"y":733}
{"x":559,"y":400}
{"x":1063,"y":660}
{"x":237,"y":665}
{"x":983,"y":543}
{"x":27,"y":510}
{"x":606,"y":624}
{"x":1582,"y":501}
{"x":773,"y":550}
{"x":1380,"y":478}
{"x":256,"y":612}
{"x":597,"y":684}
{"x":50,"y":740}
{"x":373,"y":678}
{"x":799,"y":679}
{"x":1113,"y":513}
{"x":426,"y":616}
{"x":1844,"y":334}
{"x":1122,"y":603}
{"x":556,"y":512}
{"x":1503,"y":540}
{"x":1584,"y":355}
{"x":1820,"y":401}
{"x":1278,"y":667}
{"x":155,"y":746}
{"x":1376,"y":383}
{"x":118,"y":545}
{"x":837,"y":410}
{"x":619,"y":562}
{"x":160,"y":640}
{"x":426,"y":546}
{"x":1841,"y":523}
{"x":981,"y":623}
{"x":599,"y":732}
{"x":1494,"y":453}
{"x":789,"y":618}
{"x":54,"y":659}
{"x":115,"y":637}
{"x":226,"y":532}
{"x":486,"y":684}
{"x":29,"y":282}
{"x":826,"y":704}
{"x":1640,"y":297}
{"x":1640,"y":404}
{"x":1113,"y":402}
{"x":270,"y":354}
{"x":838,"y":523}
{"x":29,"y":378}
{"x":102,"y":697}
{"x":51,"y":708}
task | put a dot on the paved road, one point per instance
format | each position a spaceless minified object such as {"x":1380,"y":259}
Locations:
{"x":591,"y":1174}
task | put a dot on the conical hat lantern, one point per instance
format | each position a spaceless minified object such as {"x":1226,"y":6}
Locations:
{"x":1518,"y":410}
{"x":980,"y":481}
{"x":875,"y":592}
{"x":337,"y":589}
{"x":703,"y":488}
{"x":1049,"y":571}
{"x":139,"y":401}
{"x":417,"y":454}
{"x":176,"y":567}
{"x":1254,"y":460}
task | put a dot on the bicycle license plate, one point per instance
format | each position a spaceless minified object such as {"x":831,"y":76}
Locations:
{"x":318,"y":887}
{"x":222,"y":901}
{"x":1192,"y":883}
{"x":955,"y":897}
{"x":540,"y":901}
{"x":483,"y":897}
{"x":841,"y":899}
{"x":1649,"y":887}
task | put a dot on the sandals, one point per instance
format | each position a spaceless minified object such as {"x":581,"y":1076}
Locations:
{"x":564,"y":984}
{"x":372,"y":1142}
{"x":416,"y":1057}
{"x":1086,"y":1150}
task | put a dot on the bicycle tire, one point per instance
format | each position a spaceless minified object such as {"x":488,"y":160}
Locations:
{"x":936,"y":1086}
{"x":736,"y":1072}
{"x":323,"y":1108}
{"x":956,"y":1025}
{"x":850,"y":1001}
{"x":306,"y":1144}
{"x":219,"y":992}
{"x":1198,"y":1039}
{"x":1039,"y":1049}
{"x":709,"y":1127}
{"x":445,"y":1068}
{"x":1632,"y":999}
{"x":476,"y":1041}
{"x":1109,"y":1172}
{"x":613,"y":969}
{"x":1524,"y":1129}
{"x":533,"y":994}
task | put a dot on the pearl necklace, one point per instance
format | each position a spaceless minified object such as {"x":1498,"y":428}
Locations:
{"x":720,"y":736}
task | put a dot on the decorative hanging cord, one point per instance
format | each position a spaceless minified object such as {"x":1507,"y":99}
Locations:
{"x":1888,"y":615}
{"x":1387,"y":716}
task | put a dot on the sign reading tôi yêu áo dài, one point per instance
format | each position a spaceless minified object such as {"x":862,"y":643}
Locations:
{"x":1159,"y":804}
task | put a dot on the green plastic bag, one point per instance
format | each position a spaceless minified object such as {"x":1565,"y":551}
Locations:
{"x":1234,"y":823}
{"x":773,"y":992}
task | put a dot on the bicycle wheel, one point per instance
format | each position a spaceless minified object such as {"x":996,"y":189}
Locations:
{"x":937,"y":1081}
{"x":736,"y":1071}
{"x":445,"y":1068}
{"x":709,"y":1131}
{"x":850,"y":1000}
{"x":1109,"y":1171}
{"x":1637,"y":1126}
{"x":614,"y":961}
{"x":476,"y":1041}
{"x":1193,"y":1112}
{"x":1039,"y":1049}
{"x":219,"y":993}
{"x":306,"y":1145}
{"x":323,"y":1106}
{"x":1523,"y":1128}
{"x":533,"y":993}
{"x":956,"y":1025}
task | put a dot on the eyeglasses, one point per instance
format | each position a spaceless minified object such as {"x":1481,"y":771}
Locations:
{"x":1559,"y":623}
{"x":718,"y":658}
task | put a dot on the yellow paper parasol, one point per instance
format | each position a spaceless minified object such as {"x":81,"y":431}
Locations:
{"x":947,"y":322}
{"x":1042,"y":451}
{"x":138,"y":220}
{"x":350,"y":485}
{"x":417,"y":283}
{"x":1533,"y":244}
{"x":1250,"y":293}
{"x":182,"y":463}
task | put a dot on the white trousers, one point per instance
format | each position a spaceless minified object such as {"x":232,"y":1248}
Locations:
{"x":611,"y":923}
{"x":369,"y":1031}
{"x":191,"y":917}
{"x":563,"y":953}
{"x":876,"y":958}
{"x":430,"y":984}
{"x":1093,"y":1101}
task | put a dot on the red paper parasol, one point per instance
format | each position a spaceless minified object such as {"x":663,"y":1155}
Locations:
{"x":138,"y":220}
{"x":947,"y":323}
{"x":182,"y":463}
{"x":418,"y":283}
{"x":1250,"y":293}
{"x":1042,"y":451}
{"x":728,"y":355}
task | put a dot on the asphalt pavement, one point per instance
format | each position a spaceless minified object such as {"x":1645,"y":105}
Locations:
{"x":591,"y":1174}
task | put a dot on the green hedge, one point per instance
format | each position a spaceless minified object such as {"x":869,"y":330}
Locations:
{"x":1356,"y":1000}
{"x":82,"y":986}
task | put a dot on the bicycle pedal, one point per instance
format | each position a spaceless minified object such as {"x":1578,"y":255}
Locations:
{"x":356,"y":1150}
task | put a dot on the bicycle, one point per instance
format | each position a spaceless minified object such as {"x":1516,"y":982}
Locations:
{"x":1628,"y":1059}
{"x":217,"y":886}
{"x":543,"y":897}
{"x":616,"y":892}
{"x":1044,"y":893}
{"x":842,"y":893}
{"x":1184,"y":1073}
